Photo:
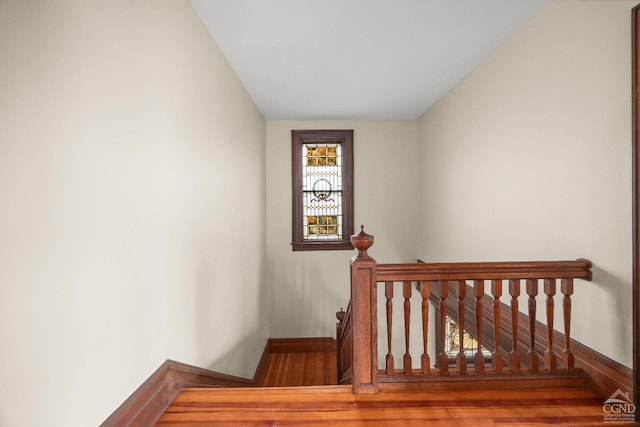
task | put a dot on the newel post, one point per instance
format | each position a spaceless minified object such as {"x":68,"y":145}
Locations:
{"x":363,"y":305}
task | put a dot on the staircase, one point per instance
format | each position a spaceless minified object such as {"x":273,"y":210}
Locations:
{"x":299,"y":362}
{"x":296,"y":386}
{"x":535,"y":376}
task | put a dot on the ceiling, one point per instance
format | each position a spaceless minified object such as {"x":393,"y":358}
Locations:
{"x":357,"y":59}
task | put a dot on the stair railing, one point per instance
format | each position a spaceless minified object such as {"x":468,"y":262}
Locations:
{"x":345,"y":345}
{"x":440,"y":282}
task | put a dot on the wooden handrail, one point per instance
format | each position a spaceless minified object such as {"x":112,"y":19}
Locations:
{"x":517,"y":278}
{"x":580,"y":269}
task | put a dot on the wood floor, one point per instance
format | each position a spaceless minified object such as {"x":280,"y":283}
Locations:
{"x":300,"y":362}
{"x":280,"y":401}
{"x":300,"y":369}
{"x":336,"y":405}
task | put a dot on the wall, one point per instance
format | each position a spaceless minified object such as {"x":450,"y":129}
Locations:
{"x":530,"y":158}
{"x":129,"y":234}
{"x":311,"y":286}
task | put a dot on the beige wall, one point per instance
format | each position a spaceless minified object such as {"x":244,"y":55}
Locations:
{"x":134,"y":204}
{"x":122,"y":241}
{"x":311,"y":286}
{"x":530,"y":158}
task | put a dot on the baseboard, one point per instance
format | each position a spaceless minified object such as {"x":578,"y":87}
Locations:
{"x":262,"y":364}
{"x":606,"y":375}
{"x":147,"y":404}
{"x":302,"y":345}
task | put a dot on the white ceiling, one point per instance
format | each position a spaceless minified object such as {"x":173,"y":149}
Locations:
{"x":357,"y":59}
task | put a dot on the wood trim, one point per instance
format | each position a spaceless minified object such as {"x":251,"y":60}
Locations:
{"x":606,"y":374}
{"x":344,"y":344}
{"x":298,"y":138}
{"x":474,"y":381}
{"x":635,"y":122}
{"x":146,"y":405}
{"x":262,"y":364}
{"x":580,"y":268}
{"x":147,"y":399}
{"x":302,"y":345}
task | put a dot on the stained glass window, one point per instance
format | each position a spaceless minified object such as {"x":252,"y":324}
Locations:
{"x":452,"y":341}
{"x":322,"y":189}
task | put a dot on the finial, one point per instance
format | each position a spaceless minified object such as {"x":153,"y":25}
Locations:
{"x":362,"y":243}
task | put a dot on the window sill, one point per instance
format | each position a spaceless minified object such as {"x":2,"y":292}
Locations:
{"x":326,"y":245}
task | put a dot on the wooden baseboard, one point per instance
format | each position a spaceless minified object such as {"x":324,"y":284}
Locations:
{"x":606,"y":375}
{"x":147,"y":404}
{"x":302,"y":345}
{"x":262,"y":364}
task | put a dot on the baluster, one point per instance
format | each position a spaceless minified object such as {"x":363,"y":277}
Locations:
{"x":496,"y":358}
{"x":407,"y":323}
{"x":478,"y":285}
{"x":566,"y":286}
{"x":549,"y":355}
{"x":461,"y":358}
{"x":532,"y":291}
{"x":388,"y":293}
{"x":340,"y":316}
{"x":425,"y":360}
{"x":444,"y":359}
{"x":514,"y":291}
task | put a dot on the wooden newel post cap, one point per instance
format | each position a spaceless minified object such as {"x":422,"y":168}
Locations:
{"x":340,"y":315}
{"x":362,"y":242}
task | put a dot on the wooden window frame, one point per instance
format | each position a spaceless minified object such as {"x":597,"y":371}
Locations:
{"x":298,"y":139}
{"x":635,"y":182}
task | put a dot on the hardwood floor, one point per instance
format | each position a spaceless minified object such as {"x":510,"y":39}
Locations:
{"x":300,"y":369}
{"x":336,"y":405}
{"x":300,"y":362}
{"x":297,"y":388}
